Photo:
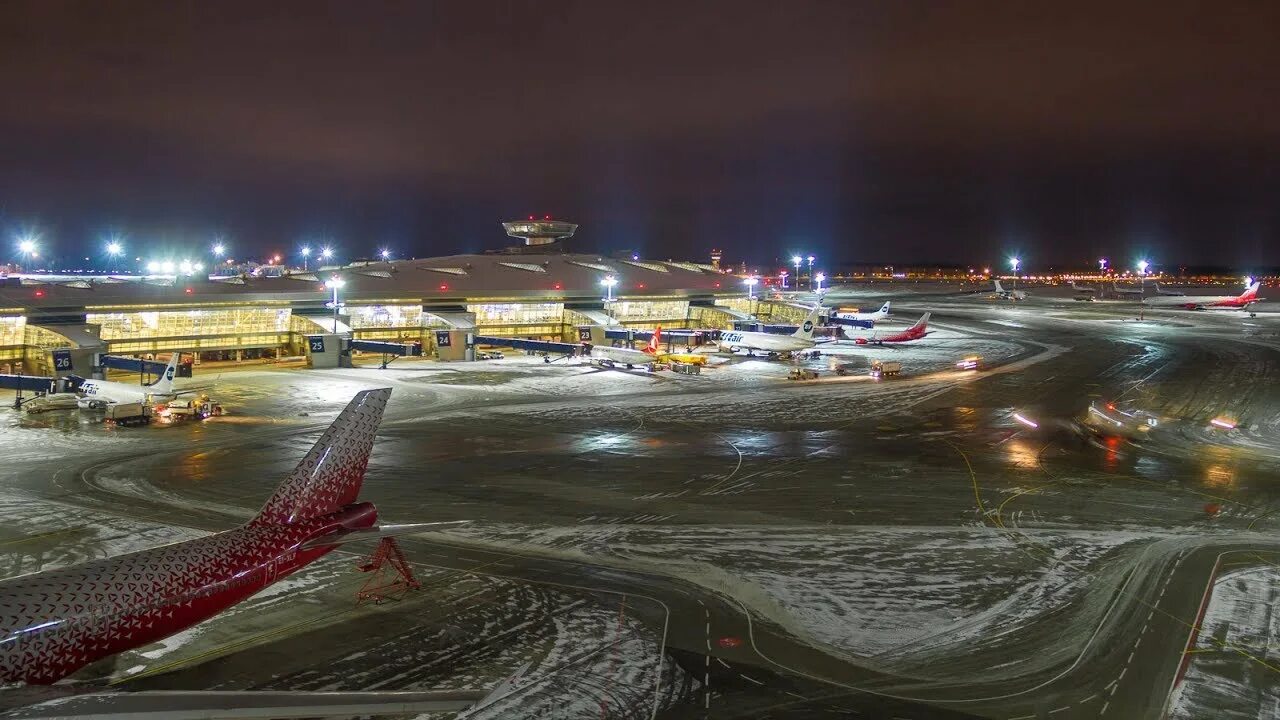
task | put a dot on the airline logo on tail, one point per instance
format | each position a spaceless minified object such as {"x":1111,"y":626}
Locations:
{"x":655,"y":342}
{"x":805,"y":331}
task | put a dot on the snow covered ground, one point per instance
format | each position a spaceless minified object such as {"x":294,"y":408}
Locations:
{"x":1233,"y":669}
{"x":898,"y":595}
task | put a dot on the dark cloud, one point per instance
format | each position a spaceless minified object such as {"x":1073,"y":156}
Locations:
{"x":904,"y":131}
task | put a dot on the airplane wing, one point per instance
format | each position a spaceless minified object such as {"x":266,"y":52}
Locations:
{"x":188,"y":391}
{"x":225,"y":704}
{"x":194,"y":705}
{"x":375,"y":533}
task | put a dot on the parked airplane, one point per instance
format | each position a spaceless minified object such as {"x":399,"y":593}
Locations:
{"x":105,"y":392}
{"x":880,"y":314}
{"x":1208,"y":302}
{"x":55,"y":622}
{"x":1170,"y":293}
{"x":1127,"y":291}
{"x":1082,"y":290}
{"x":801,"y":339}
{"x":1003,"y":294}
{"x":915,"y":332}
{"x":609,"y":356}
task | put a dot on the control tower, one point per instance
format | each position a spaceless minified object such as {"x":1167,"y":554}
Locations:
{"x":542,"y":232}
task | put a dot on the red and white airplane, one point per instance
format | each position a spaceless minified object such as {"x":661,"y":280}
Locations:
{"x":53,"y":623}
{"x":1208,"y":302}
{"x":915,"y":332}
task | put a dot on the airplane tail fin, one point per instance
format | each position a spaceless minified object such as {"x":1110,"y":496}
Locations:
{"x":805,"y":331}
{"x":999,"y":287}
{"x":885,"y":307}
{"x":164,"y":384}
{"x":655,"y":342}
{"x":330,"y":475}
{"x":1251,"y":293}
{"x":923,"y":322}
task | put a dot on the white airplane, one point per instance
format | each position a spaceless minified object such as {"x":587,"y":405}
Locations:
{"x":105,"y":392}
{"x":1003,"y":294}
{"x":1170,"y":293}
{"x":1127,"y":291}
{"x":1208,"y":302}
{"x":1089,"y":290}
{"x":609,"y":356}
{"x":771,"y":343}
{"x":880,"y":314}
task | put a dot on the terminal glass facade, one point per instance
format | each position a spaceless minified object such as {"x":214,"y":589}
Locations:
{"x":385,"y":316}
{"x":239,"y":327}
{"x":527,"y":319}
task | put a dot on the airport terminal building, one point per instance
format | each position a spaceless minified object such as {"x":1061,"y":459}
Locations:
{"x":533,"y":291}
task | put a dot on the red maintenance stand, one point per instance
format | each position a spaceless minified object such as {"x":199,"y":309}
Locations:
{"x":391,"y":575}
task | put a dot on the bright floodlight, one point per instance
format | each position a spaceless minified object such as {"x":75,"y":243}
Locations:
{"x":153,"y":267}
{"x":334,"y":282}
{"x":810,"y":259}
{"x":1014,"y":263}
{"x":1143,"y":265}
{"x":185,"y":267}
{"x":306,"y":251}
{"x":326,"y":253}
{"x":795,"y":260}
{"x":751,"y":280}
{"x":219,"y":249}
{"x":820,"y":277}
{"x":198,"y":267}
{"x":27,"y":246}
{"x":1102,"y":263}
{"x":114,"y":248}
{"x":385,"y":253}
{"x":609,"y":281}
{"x":166,"y":266}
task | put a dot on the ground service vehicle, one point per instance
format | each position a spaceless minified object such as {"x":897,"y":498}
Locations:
{"x":885,"y":368}
{"x":128,"y":414}
{"x":802,"y":374}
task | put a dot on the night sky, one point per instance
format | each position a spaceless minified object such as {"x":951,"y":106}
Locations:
{"x":882,"y":131}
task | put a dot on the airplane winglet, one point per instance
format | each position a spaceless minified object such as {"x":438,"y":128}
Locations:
{"x":504,"y":688}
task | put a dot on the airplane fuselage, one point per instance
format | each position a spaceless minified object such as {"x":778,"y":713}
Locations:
{"x":117,"y":392}
{"x":55,"y":622}
{"x":621,"y":356}
{"x":764,"y":342}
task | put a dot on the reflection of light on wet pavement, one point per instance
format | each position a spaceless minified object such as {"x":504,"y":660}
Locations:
{"x":1219,"y":477}
{"x":1022,"y":454}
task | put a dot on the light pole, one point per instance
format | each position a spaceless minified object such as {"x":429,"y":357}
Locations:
{"x":28,"y":247}
{"x":751,"y":286}
{"x":114,"y":250}
{"x":608,"y":282}
{"x":306,"y":253}
{"x":795,"y":260}
{"x":219,"y":250}
{"x":326,"y":253}
{"x":385,"y":254}
{"x":1142,"y":277}
{"x":333,"y":284}
{"x":1102,"y":265}
{"x":811,"y":273}
{"x":1015,"y":262}
{"x":783,"y":274}
{"x":820,"y":277}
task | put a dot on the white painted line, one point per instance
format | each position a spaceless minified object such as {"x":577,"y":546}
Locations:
{"x":1105,"y":705}
{"x":748,"y":677}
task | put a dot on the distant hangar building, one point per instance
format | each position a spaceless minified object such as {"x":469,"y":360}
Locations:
{"x":533,"y":291}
